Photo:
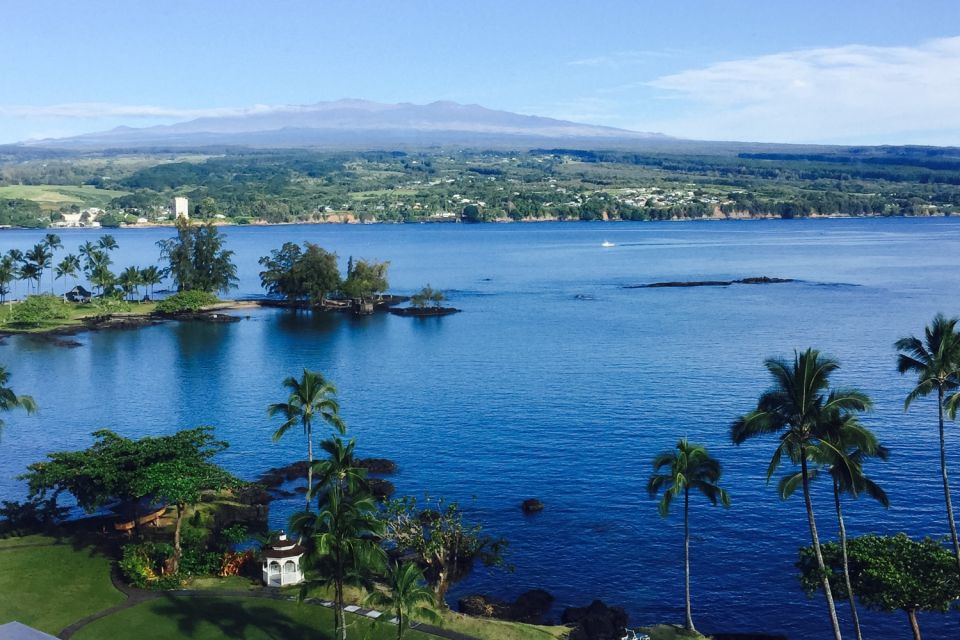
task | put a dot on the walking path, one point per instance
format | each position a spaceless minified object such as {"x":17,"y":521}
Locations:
{"x":139,"y":596}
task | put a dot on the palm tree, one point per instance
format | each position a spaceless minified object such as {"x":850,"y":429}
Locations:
{"x":30,"y":271}
{"x":312,"y":395}
{"x":688,"y":466}
{"x":41,"y":257}
{"x":16,"y":258}
{"x":345,"y":547}
{"x":107,"y":243}
{"x":129,"y":281}
{"x":936,"y":361}
{"x":69,"y":267}
{"x":406,"y":596}
{"x":8,"y":274}
{"x":339,"y":472}
{"x":9,"y":400}
{"x":150,"y":277}
{"x":52,"y":242}
{"x":843,"y":457}
{"x":801,"y":407}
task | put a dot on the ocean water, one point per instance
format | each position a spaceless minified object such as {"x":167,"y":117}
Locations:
{"x":556,"y":382}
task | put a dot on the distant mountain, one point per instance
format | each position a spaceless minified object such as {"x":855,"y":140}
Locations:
{"x":360,"y":123}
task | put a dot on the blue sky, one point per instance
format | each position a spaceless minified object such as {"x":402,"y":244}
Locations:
{"x":814,"y":71}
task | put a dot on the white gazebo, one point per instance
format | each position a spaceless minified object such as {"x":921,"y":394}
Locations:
{"x":281,"y":563}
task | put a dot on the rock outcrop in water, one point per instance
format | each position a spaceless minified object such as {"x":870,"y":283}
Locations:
{"x":596,"y":622}
{"x":710,"y":283}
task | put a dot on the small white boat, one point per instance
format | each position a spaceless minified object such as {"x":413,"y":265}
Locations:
{"x":606,"y":244}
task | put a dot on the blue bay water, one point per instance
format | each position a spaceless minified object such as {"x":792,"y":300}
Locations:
{"x":557,"y":383}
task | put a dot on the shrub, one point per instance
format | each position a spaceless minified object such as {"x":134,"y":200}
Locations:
{"x":108,"y":305}
{"x":142,"y":565}
{"x":187,"y":301}
{"x":36,"y":310}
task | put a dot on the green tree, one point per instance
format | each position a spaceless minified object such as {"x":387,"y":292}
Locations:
{"x":345,"y":547}
{"x":366,"y":280}
{"x":129,"y":281}
{"x":52,"y":242}
{"x":427,"y":295}
{"x":10,"y":400}
{"x":150,"y":277}
{"x":801,"y":408}
{"x":69,"y":267}
{"x":198,"y":259}
{"x":40,"y":257}
{"x":444,"y":545}
{"x":890,"y":573}
{"x":688,"y":466}
{"x":842,"y":456}
{"x":182,"y":478}
{"x":936,"y":362}
{"x":405,"y":596}
{"x":107,"y":242}
{"x":8,"y":274}
{"x":310,"y":397}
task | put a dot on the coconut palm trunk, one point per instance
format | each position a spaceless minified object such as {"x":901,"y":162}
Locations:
{"x":816,"y":545}
{"x":177,"y":550}
{"x":686,"y":558}
{"x":846,"y":562}
{"x":307,"y":427}
{"x":946,"y":481}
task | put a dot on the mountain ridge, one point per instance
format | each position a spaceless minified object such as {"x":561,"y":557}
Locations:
{"x":356,"y":122}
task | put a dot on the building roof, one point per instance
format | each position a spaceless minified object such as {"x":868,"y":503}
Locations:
{"x":17,"y":631}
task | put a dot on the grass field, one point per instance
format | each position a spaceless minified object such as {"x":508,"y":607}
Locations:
{"x":55,"y":196}
{"x":215,"y":618}
{"x":51,"y":587}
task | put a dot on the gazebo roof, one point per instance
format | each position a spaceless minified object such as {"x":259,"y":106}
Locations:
{"x":17,"y":631}
{"x":283,"y":548}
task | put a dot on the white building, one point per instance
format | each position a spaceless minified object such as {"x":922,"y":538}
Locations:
{"x":181,"y":208}
{"x":281,"y":563}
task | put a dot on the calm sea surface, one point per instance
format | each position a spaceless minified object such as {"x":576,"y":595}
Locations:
{"x":555,"y":382}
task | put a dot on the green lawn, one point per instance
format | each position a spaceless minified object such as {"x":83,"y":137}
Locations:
{"x":50,"y":587}
{"x":56,"y":196}
{"x":173,"y":616}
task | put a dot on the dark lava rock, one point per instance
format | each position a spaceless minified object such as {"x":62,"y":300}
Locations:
{"x":378,"y":465}
{"x":272,"y":478}
{"x":596,"y":622}
{"x":710,"y":283}
{"x":427,"y":312}
{"x":252,"y":494}
{"x":381,"y":489}
{"x":531,"y":505}
{"x":530,"y":607}
{"x":300,"y":489}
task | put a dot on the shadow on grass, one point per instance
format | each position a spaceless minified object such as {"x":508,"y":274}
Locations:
{"x":233,"y":618}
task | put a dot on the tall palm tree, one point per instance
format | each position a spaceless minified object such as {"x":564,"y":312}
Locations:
{"x":150,"y":277}
{"x":52,"y":242}
{"x":69,"y":267}
{"x":129,"y":281}
{"x":10,"y":400}
{"x":936,"y":361}
{"x":801,"y":408}
{"x":346,"y":550}
{"x":8,"y":274}
{"x":41,"y":257}
{"x":687,"y":466}
{"x":29,"y":271}
{"x":310,"y":396}
{"x":406,"y":596}
{"x":843,"y":456}
{"x":16,"y":257}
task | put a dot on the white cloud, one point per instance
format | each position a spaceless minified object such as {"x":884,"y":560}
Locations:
{"x":852,"y":92}
{"x":109,"y":110}
{"x":624,"y":58}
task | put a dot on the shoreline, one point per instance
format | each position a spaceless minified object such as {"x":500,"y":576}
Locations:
{"x":734,"y":217}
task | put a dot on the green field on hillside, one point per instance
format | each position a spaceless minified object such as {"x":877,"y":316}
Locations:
{"x":52,"y":197}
